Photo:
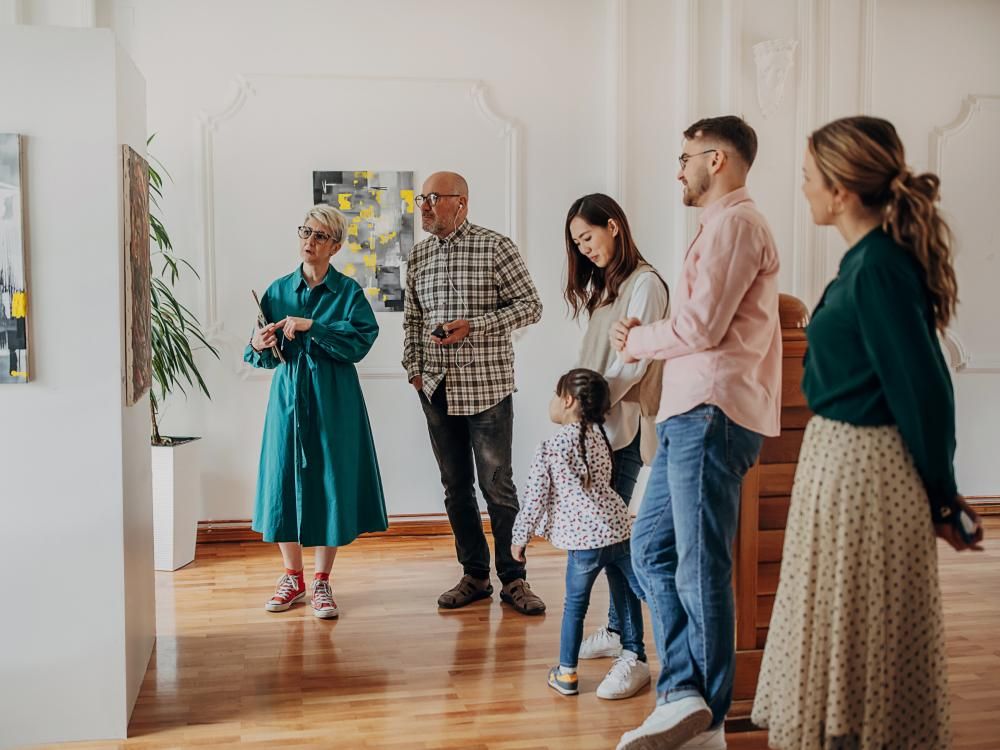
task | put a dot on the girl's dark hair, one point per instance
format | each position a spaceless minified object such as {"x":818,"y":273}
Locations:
{"x":593,"y":395}
{"x":865,"y":155}
{"x":587,"y":286}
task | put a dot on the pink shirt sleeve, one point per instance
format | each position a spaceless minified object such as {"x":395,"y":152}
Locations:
{"x":722,"y":276}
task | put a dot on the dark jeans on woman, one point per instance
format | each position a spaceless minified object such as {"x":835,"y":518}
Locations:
{"x":628,"y":462}
{"x":582,"y":568}
{"x":482,"y":441}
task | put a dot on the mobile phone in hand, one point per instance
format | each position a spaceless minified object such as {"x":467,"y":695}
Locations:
{"x":439,"y":332}
{"x":966,"y":527}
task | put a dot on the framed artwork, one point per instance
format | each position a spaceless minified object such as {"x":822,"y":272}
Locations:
{"x":138,"y":334}
{"x":13,"y":276}
{"x":380,"y":210}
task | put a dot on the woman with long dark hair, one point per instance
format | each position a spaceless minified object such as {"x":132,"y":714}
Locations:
{"x":608,"y":280}
{"x":855,"y":651}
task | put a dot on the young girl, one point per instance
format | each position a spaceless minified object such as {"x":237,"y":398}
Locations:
{"x":570,"y":502}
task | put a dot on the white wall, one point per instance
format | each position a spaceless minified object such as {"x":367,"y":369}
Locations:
{"x":75,"y":536}
{"x":598,"y":92}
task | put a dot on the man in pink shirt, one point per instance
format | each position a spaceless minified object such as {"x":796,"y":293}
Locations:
{"x":721,"y":391}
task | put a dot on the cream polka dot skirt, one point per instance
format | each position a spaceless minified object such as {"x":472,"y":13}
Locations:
{"x":854,"y":658}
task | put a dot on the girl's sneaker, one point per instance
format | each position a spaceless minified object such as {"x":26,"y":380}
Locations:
{"x":601,"y":643}
{"x":626,"y":677}
{"x":567,"y":684}
{"x":323,"y":604}
{"x":286,"y":594}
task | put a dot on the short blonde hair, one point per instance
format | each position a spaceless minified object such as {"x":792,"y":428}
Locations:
{"x":329,"y":217}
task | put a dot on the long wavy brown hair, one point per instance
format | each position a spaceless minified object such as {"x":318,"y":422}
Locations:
{"x":587,"y":286}
{"x":865,"y":156}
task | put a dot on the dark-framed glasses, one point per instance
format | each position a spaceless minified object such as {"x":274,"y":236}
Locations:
{"x":683,"y":159}
{"x":307,"y":232}
{"x":433,"y":198}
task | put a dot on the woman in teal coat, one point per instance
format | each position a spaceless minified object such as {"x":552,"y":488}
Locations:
{"x":318,"y":484}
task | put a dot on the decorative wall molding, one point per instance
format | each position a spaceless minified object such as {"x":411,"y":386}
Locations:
{"x":866,"y":71}
{"x":731,"y":68}
{"x":962,"y":357}
{"x":617,"y":95}
{"x":685,"y":222}
{"x":809,"y":242}
{"x":774,"y":59}
{"x":241,"y":90}
{"x":12,"y":12}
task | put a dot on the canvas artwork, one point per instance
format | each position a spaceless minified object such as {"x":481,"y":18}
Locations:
{"x":138,"y":334}
{"x":13,"y":282}
{"x":380,"y":209}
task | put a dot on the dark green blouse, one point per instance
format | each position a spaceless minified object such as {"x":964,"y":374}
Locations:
{"x":874,"y":359}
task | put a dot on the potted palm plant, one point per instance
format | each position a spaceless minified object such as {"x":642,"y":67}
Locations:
{"x":176,"y":334}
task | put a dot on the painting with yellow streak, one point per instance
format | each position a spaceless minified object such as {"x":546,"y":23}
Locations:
{"x":380,"y":211}
{"x":13,"y":277}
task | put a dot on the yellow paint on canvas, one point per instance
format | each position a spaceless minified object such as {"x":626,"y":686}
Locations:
{"x":19,"y":374}
{"x":350,"y":269}
{"x":385,"y":239}
{"x":344,"y":201}
{"x":354,"y":247}
{"x":19,"y":305}
{"x":367,"y":213}
{"x":407,"y":196}
{"x":372,"y":291}
{"x":352,"y":228}
{"x":369,"y":260}
{"x":378,"y":196}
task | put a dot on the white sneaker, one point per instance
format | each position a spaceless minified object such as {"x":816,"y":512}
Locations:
{"x":601,"y":643}
{"x":669,"y":726}
{"x":626,"y":677}
{"x":713,"y":739}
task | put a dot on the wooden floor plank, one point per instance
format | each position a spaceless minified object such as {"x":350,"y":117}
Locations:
{"x":395,"y":672}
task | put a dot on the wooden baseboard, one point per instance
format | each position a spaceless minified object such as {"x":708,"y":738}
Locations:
{"x":420,"y":524}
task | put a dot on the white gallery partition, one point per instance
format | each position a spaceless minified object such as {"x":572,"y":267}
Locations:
{"x":76,"y":528}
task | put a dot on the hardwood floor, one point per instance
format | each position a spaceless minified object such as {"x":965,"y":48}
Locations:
{"x":394,"y":672}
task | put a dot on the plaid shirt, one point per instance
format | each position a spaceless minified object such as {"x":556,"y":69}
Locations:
{"x":478,"y":275}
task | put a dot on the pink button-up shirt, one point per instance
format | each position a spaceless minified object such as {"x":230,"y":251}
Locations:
{"x":722,"y":343}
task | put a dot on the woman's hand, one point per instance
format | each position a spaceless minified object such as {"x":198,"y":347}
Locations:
{"x":949,"y":532}
{"x":290,"y":326}
{"x":517,"y":552}
{"x":264,"y":338}
{"x":619,"y":337}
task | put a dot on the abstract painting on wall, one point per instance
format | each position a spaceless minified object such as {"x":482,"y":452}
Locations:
{"x":379,"y":208}
{"x":13,"y":276}
{"x":138,"y":335}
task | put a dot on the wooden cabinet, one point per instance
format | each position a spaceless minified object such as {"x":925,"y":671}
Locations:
{"x":764,"y":510}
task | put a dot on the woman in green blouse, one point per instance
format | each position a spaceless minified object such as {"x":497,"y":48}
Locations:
{"x":318,"y":483}
{"x":855,"y":650}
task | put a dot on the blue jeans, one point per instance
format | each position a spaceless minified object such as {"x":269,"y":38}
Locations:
{"x":627,"y":462}
{"x":682,"y":546}
{"x":583,"y":566}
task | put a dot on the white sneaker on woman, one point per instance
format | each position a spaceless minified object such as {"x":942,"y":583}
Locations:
{"x":626,"y":677}
{"x":601,"y":643}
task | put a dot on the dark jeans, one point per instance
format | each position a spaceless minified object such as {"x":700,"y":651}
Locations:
{"x":682,"y":552}
{"x":628,"y":462}
{"x":582,"y":568}
{"x":484,"y":439}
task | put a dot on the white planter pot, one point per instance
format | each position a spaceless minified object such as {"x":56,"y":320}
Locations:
{"x":176,"y":503}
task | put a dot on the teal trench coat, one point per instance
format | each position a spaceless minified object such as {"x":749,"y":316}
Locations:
{"x":318,"y":482}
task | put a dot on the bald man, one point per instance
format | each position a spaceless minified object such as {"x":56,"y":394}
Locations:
{"x":467,"y":289}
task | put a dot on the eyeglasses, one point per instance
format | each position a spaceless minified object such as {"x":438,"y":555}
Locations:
{"x":684,"y":158}
{"x":433,"y":198}
{"x":306,"y":232}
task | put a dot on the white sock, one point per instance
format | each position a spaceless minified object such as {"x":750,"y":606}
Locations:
{"x":566,"y":670}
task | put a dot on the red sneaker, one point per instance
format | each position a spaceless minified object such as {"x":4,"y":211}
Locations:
{"x":286,"y":594}
{"x":322,"y":600}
